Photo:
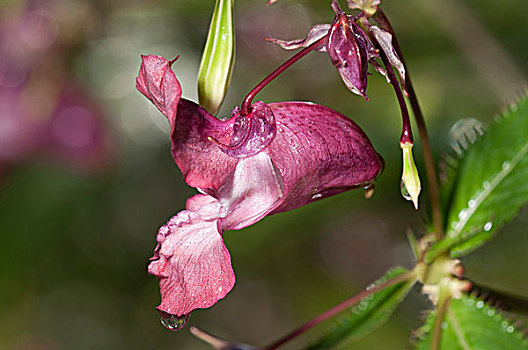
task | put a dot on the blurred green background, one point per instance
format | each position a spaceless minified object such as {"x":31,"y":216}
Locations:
{"x":77,"y":230}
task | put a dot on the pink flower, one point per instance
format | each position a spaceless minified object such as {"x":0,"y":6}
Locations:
{"x":278,"y":157}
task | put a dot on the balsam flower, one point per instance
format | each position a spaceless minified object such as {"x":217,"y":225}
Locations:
{"x":278,"y":157}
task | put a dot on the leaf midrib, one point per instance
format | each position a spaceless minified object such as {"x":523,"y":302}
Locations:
{"x":495,"y":181}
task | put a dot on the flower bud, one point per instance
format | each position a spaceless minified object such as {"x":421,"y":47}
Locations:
{"x":218,"y":57}
{"x":410,"y":182}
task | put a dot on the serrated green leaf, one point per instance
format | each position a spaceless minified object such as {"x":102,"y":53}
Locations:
{"x":368,"y":314}
{"x":490,"y":184}
{"x":471,"y":324}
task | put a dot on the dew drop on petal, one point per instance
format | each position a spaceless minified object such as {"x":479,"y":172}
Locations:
{"x":488,"y":226}
{"x":173,"y":322}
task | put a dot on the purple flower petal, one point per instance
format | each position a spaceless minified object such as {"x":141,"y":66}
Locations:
{"x":158,"y":83}
{"x":251,"y":133}
{"x":255,"y":188}
{"x":315,"y":33}
{"x":319,"y":153}
{"x":191,"y":260}
{"x":385,"y":40}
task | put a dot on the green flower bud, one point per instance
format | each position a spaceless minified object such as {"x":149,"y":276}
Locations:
{"x":218,"y":57}
{"x":410,"y":182}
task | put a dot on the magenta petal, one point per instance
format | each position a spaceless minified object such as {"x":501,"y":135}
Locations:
{"x":251,"y":133}
{"x":254,"y":190}
{"x":315,"y":33}
{"x":192,"y":263}
{"x":385,"y":40}
{"x":319,"y":152}
{"x":158,"y":83}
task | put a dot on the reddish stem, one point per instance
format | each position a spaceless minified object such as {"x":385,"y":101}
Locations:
{"x":246,"y":104}
{"x":430,"y":170}
{"x":337,"y":309}
{"x":406,"y":135}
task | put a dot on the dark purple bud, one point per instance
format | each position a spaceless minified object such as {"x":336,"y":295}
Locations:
{"x":347,"y":49}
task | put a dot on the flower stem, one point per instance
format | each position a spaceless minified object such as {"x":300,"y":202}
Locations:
{"x":406,"y":136}
{"x":338,"y":308}
{"x":430,"y":170}
{"x":437,"y":326}
{"x":246,"y":104}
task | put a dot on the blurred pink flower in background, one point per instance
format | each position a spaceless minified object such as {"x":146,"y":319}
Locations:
{"x":44,"y":111}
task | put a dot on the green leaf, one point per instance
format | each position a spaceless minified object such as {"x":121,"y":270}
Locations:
{"x":489,"y":185}
{"x":368,"y":314}
{"x":218,"y":58}
{"x":471,"y":324}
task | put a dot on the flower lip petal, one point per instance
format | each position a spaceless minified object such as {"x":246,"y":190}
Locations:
{"x":193,"y":265}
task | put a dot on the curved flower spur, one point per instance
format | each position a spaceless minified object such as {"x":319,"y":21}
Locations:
{"x":277,"y":157}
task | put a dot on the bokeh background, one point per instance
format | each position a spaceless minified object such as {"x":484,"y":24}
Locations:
{"x":86,"y":175}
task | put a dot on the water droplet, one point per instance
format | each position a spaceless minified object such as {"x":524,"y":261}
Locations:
{"x":480,"y":304}
{"x":173,"y":322}
{"x":369,"y":191}
{"x":363,"y":305}
{"x":504,"y":324}
{"x":506,"y":166}
{"x":491,"y":312}
{"x":463,"y":214}
{"x":510,"y":329}
{"x":487,"y":226}
{"x":486,"y":185}
{"x":472,"y":203}
{"x":405,"y":194}
{"x":317,"y":196}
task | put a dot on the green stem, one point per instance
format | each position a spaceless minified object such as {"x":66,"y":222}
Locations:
{"x":437,"y":326}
